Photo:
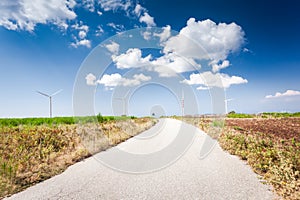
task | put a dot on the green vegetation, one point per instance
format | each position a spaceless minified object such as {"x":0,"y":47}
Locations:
{"x":219,"y":123}
{"x":239,"y":115}
{"x":279,"y":115}
{"x":11,"y":122}
{"x":233,"y":114}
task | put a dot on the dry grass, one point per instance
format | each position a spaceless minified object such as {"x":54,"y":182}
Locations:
{"x":271,"y":147}
{"x":30,"y":154}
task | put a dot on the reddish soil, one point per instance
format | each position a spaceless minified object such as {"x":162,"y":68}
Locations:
{"x":281,"y":128}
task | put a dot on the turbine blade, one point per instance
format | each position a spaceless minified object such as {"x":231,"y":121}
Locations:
{"x":127,"y":94}
{"x":43,"y":94}
{"x":229,"y":100}
{"x":55,"y":93}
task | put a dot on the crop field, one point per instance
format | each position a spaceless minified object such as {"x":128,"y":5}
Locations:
{"x":39,"y":148}
{"x":269,"y":144}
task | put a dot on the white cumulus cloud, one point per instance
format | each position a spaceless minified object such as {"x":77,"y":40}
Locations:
{"x":90,"y":79}
{"x":110,"y":80}
{"x":89,"y":5}
{"x":207,"y":40}
{"x":287,"y":93}
{"x":131,"y":59}
{"x":116,"y":79}
{"x":208,"y":79}
{"x":138,"y":10}
{"x":82,"y":34}
{"x":137,"y":80}
{"x":26,"y":14}
{"x":83,"y":42}
{"x":114,"y":5}
{"x":165,"y":34}
{"x":117,"y":27}
{"x":142,"y":14}
{"x":147,"y":19}
{"x":198,"y":41}
{"x":146,"y":35}
{"x":80,"y":27}
{"x":99,"y":13}
{"x":113,"y":47}
{"x":166,"y":66}
{"x":202,"y":88}
{"x":170,"y":65}
{"x":217,"y":67}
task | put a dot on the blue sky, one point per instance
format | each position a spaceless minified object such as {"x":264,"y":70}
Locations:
{"x":44,"y":44}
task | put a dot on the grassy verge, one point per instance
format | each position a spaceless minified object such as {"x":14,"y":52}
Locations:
{"x":278,"y":162}
{"x":270,"y":146}
{"x":32,"y":153}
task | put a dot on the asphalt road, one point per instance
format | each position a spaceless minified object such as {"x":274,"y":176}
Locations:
{"x":173,"y":160}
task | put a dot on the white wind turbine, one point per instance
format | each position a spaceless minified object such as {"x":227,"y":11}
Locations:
{"x":182,"y":103}
{"x":125,"y":103}
{"x":226,"y":105}
{"x":50,"y":99}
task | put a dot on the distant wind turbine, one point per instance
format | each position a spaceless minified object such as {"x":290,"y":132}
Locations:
{"x":125,"y":103}
{"x":182,"y":103}
{"x":226,"y":105}
{"x":50,"y":98}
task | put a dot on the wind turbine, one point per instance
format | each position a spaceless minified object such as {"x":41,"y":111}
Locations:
{"x":125,"y":103}
{"x":226,"y":105}
{"x":50,"y":98}
{"x":182,"y":103}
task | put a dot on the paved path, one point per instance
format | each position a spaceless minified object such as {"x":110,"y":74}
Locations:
{"x":148,"y":174}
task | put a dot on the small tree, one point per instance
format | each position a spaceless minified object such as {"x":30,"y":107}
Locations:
{"x":100,"y":118}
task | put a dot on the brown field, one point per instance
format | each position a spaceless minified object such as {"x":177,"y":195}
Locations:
{"x":279,"y":128}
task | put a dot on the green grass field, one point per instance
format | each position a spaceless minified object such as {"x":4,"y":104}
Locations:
{"x":263,"y":115}
{"x":11,"y":122}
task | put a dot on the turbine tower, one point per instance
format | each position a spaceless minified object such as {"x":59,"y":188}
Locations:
{"x":182,"y":103}
{"x":226,"y":105}
{"x":50,"y":99}
{"x":125,"y":103}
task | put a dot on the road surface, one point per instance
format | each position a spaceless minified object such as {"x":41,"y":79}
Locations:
{"x":157,"y":164}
